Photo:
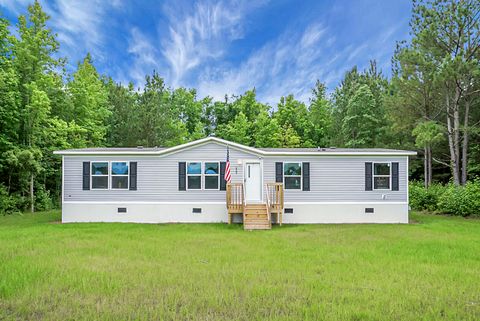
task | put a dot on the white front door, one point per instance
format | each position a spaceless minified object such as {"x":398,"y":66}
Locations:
{"x":253,"y":182}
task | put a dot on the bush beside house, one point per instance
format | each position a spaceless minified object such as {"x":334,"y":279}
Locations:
{"x":446,"y":199}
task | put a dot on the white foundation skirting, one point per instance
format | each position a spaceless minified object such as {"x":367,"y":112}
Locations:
{"x":215,"y":212}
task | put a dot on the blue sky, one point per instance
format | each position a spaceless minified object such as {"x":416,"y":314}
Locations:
{"x":227,"y":47}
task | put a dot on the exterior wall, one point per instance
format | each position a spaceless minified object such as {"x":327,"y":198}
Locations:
{"x":144,"y":212}
{"x":310,"y":213}
{"x":307,"y":213}
{"x":340,"y":179}
{"x":157,"y":176}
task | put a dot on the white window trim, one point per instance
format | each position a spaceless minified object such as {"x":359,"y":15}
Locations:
{"x":301,"y":176}
{"x":99,"y":175}
{"x":119,"y":175}
{"x":389,"y":176}
{"x":205,"y":175}
{"x":187,"y":175}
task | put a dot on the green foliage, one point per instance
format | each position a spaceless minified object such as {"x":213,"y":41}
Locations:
{"x":237,"y":130}
{"x":89,"y":101}
{"x":43,"y":201}
{"x":428,"y":133}
{"x":361,"y":123}
{"x":461,"y":200}
{"x":9,"y":203}
{"x":446,"y":199}
{"x":425,"y":199}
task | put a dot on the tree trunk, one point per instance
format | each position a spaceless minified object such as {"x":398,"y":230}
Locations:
{"x":32,"y":205}
{"x":465,"y":144}
{"x":453,"y":137}
{"x":429,"y":162}
{"x":425,"y":166}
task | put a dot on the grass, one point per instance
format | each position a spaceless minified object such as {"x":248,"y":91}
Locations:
{"x":429,"y":270}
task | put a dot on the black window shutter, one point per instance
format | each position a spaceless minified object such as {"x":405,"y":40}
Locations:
{"x":395,"y":176}
{"x":86,"y":176}
{"x":279,"y":172}
{"x":182,"y":176}
{"x":133,"y":176}
{"x":306,"y":176}
{"x":368,"y":176}
{"x":223,"y":182}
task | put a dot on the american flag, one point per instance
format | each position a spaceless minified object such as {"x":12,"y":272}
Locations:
{"x":228,"y":174}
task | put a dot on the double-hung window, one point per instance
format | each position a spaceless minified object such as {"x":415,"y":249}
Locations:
{"x":99,"y":173}
{"x":381,"y":175}
{"x":211,"y":175}
{"x":194,"y":175}
{"x":119,"y":175}
{"x":292,"y":175}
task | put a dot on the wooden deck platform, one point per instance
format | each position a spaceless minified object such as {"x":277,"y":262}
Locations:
{"x":257,"y":216}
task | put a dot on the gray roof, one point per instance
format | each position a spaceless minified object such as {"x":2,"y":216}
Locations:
{"x":330,"y":149}
{"x":116,"y":149}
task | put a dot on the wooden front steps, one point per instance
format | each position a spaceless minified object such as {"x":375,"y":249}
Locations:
{"x":256,"y":217}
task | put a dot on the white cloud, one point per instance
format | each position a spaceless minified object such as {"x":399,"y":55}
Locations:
{"x":201,"y":33}
{"x":79,"y":24}
{"x":15,"y":6}
{"x":289,"y":64}
{"x":145,"y":57}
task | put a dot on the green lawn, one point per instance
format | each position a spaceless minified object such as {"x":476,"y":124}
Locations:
{"x":423,"y":271}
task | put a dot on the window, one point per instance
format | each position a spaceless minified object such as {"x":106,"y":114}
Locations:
{"x":212,"y":175}
{"x":292,"y":173}
{"x":194,"y":175}
{"x":99,"y":175}
{"x":381,"y":175}
{"x":119,"y":175}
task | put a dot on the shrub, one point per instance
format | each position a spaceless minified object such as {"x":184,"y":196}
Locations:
{"x":461,"y":200}
{"x":425,"y":199}
{"x":43,"y":201}
{"x":9,"y":204}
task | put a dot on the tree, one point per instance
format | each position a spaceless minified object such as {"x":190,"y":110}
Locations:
{"x":361,"y":124}
{"x":294,"y":114}
{"x":320,"y":114}
{"x":90,"y":102}
{"x":267,"y":132}
{"x":342,"y":100}
{"x":123,"y":120}
{"x":237,"y":130}
{"x":34,"y":61}
{"x":427,"y":134}
{"x":9,"y":93}
{"x":447,"y":32}
{"x":290,"y":138}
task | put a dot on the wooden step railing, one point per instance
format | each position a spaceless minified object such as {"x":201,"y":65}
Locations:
{"x":275,"y":198}
{"x":235,"y":199}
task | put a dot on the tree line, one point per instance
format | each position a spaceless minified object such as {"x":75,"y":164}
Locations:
{"x":430,"y":104}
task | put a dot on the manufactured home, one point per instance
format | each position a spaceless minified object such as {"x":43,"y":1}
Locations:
{"x":186,"y":183}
